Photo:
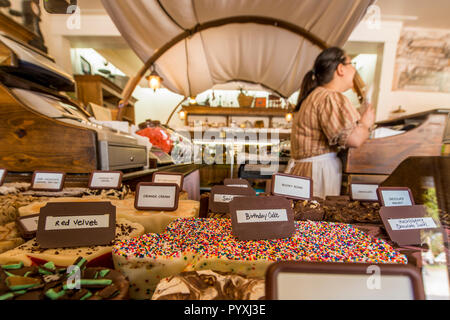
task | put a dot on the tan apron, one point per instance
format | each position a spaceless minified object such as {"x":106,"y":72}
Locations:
{"x":325,"y":170}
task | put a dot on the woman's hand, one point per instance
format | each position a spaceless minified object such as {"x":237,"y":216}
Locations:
{"x":362,"y":132}
{"x":368,"y":117}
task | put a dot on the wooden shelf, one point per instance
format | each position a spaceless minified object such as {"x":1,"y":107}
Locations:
{"x":230,"y":111}
{"x":103,"y":92}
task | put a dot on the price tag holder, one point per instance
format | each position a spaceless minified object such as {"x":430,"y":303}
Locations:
{"x":28,"y":226}
{"x":242,"y":183}
{"x":47,"y":181}
{"x":288,"y":280}
{"x":3,"y":173}
{"x":168,"y":177}
{"x":258,"y":218}
{"x":152,"y":196}
{"x":291,"y":186}
{"x":404,"y":223}
{"x":364,"y":192}
{"x":100,"y":180}
{"x":221,"y":196}
{"x":395,"y":196}
{"x":76,"y":224}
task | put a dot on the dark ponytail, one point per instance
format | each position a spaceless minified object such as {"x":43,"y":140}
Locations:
{"x":322,"y":73}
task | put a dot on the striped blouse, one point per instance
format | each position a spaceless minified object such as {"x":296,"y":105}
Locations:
{"x":325,"y":120}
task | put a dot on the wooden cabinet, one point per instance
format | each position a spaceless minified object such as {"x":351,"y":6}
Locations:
{"x":101,"y":91}
{"x":18,"y":31}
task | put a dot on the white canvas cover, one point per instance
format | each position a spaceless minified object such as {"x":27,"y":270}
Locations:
{"x":267,"y":54}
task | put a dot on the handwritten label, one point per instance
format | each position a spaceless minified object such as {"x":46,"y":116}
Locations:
{"x":364,"y":191}
{"x":47,"y":181}
{"x":403,"y":224}
{"x":105,"y":180}
{"x":256,"y":218}
{"x":225,"y":198}
{"x":292,"y":187}
{"x":2,"y":176}
{"x":157,"y":196}
{"x":168,"y":178}
{"x":77,"y":222}
{"x":395,"y":198}
{"x":412,"y":223}
{"x":252,"y":216}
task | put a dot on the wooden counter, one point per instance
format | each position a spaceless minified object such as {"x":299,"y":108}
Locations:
{"x":381,"y":156}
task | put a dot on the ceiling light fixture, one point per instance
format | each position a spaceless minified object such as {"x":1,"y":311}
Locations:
{"x":154,"y":80}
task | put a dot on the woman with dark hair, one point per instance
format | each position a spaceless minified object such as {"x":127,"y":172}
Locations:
{"x":324,"y":121}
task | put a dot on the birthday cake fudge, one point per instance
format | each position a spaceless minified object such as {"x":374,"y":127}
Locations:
{"x":194,"y":244}
{"x":30,"y":253}
{"x":209,"y":285}
{"x":48,"y":282}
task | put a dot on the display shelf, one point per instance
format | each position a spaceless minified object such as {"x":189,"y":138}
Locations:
{"x":234,"y":111}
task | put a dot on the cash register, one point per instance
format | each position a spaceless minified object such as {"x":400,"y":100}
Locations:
{"x":41,"y":128}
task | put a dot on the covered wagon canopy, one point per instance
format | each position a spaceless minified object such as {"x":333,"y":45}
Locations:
{"x":195,"y":45}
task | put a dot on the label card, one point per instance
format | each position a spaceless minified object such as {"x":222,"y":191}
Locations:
{"x":302,"y":280}
{"x":47,"y":181}
{"x":412,"y":223}
{"x":395,"y":196}
{"x":105,"y":180}
{"x":257,"y":218}
{"x":363,"y":192}
{"x":3,"y":173}
{"x":291,"y":186}
{"x":75,"y":224}
{"x":403,"y":223}
{"x":221,"y":196}
{"x":28,"y":226}
{"x":168,"y":177}
{"x":236,"y":183}
{"x":157,"y":196}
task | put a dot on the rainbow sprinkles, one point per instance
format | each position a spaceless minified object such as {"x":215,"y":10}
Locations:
{"x":200,"y":244}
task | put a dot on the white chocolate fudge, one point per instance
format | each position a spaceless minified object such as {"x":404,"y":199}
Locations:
{"x":9,"y":237}
{"x":152,"y":221}
{"x":209,"y":285}
{"x":30,"y":252}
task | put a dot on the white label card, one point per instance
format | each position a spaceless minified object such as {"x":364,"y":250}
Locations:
{"x":268,"y":215}
{"x":238,"y":185}
{"x":412,"y":223}
{"x":77,"y":222}
{"x":168,"y":178}
{"x":364,"y":191}
{"x":156,"y":196}
{"x":2,"y":173}
{"x":48,"y":181}
{"x":225,"y":198}
{"x":294,"y":187}
{"x":105,"y":180}
{"x":395,"y":198}
{"x":31,"y":224}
